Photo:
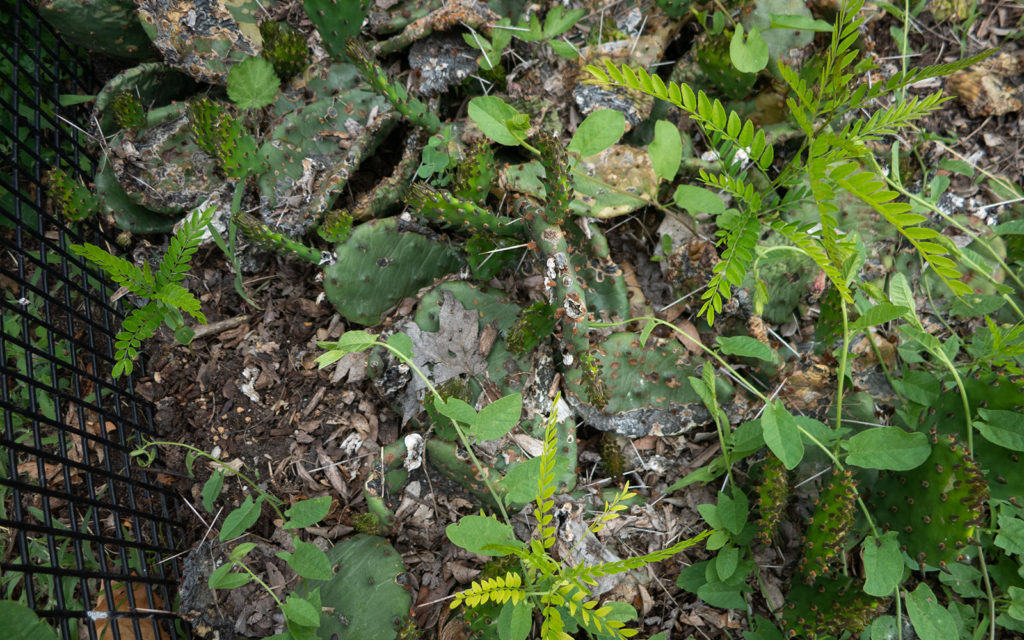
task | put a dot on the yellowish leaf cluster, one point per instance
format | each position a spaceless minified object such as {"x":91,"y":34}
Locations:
{"x":498,"y":590}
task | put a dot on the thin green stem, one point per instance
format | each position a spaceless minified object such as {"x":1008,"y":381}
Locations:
{"x":260,"y":582}
{"x":842,"y":363}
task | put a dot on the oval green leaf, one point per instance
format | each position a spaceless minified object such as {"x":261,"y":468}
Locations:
{"x":236,"y":522}
{"x":498,"y":418}
{"x":1005,"y":428}
{"x":883,"y":564}
{"x":473,"y":533}
{"x":306,"y":513}
{"x":666,"y":150}
{"x":889,"y":448}
{"x":490,"y":113}
{"x":698,"y":200}
{"x":600,"y":130}
{"x":781,"y":434}
{"x":749,"y":55}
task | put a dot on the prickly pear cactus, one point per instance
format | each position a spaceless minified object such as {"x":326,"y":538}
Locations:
{"x":646,"y":388}
{"x":459,"y":213}
{"x":475,"y":175}
{"x":315,"y":144}
{"x":109,"y":27}
{"x":368,"y":598}
{"x":203,"y":39}
{"x":830,"y":606}
{"x":221,"y":135}
{"x":285,"y":48}
{"x":336,"y":21}
{"x":382,"y":262}
{"x":127,"y":214}
{"x":825,"y":539}
{"x":772,"y":495}
{"x":935,"y":507}
{"x":162,"y":168}
{"x":155,"y":84}
{"x":69,"y":196}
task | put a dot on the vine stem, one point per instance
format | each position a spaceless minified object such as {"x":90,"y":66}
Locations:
{"x":842,"y":362}
{"x":143,"y":451}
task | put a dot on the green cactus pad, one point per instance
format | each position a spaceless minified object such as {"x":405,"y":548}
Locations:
{"x":204,"y":40}
{"x":456,"y":212}
{"x":830,"y":606}
{"x":381,"y":263}
{"x":646,"y":385}
{"x":69,"y":196}
{"x":109,"y":27}
{"x":825,"y":539}
{"x":1002,"y":466}
{"x":285,"y":48}
{"x":154,"y":83}
{"x":336,"y":21}
{"x":936,"y":507}
{"x":675,"y":8}
{"x":128,"y":216}
{"x":368,"y":598}
{"x":315,"y":144}
{"x":772,"y":495}
{"x":601,"y":278}
{"x":476,"y":173}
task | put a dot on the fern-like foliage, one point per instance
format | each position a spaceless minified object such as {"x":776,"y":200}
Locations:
{"x":167,"y":298}
{"x":829,"y":110}
{"x":550,"y":586}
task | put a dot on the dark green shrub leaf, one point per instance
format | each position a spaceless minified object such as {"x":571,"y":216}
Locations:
{"x":301,"y":611}
{"x":490,"y":114}
{"x":930,"y":619}
{"x":498,"y":418}
{"x":1005,"y":428}
{"x":223,"y":578}
{"x":666,"y":150}
{"x":15,"y":616}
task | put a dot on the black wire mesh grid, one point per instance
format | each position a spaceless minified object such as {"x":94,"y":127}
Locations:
{"x":87,"y":539}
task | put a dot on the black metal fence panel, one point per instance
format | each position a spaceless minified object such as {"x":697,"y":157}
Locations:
{"x":87,"y":538}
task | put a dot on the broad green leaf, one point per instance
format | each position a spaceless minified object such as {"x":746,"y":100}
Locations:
{"x":747,"y":347}
{"x":976,"y":305}
{"x":750,"y":55}
{"x":211,"y":489}
{"x":458,"y":410}
{"x":558,"y":20}
{"x":878,"y":314}
{"x":600,"y":130}
{"x":223,"y":578}
{"x":883,"y":564}
{"x":733,"y":511}
{"x":520,"y":482}
{"x":726,"y":561}
{"x":515,"y":619}
{"x":698,"y":200}
{"x":309,"y":561}
{"x":301,"y":611}
{"x":564,"y":49}
{"x":930,"y":619}
{"x":252,"y":83}
{"x":1013,"y":227}
{"x":473,"y":533}
{"x":239,"y":520}
{"x":1005,"y":428}
{"x":240,"y":551}
{"x":902,"y":295}
{"x":23,"y":622}
{"x":1016,"y":609}
{"x":306,"y":513}
{"x":490,"y":114}
{"x":722,"y":595}
{"x":883,"y":628}
{"x":349,"y":342}
{"x":889,"y":448}
{"x":781,"y":434}
{"x":800,"y":23}
{"x":666,"y":150}
{"x":498,"y":418}
{"x":1010,"y":534}
{"x":401,"y":343}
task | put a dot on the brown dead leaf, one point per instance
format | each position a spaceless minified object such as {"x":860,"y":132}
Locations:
{"x":689,"y":336}
{"x":149,"y":630}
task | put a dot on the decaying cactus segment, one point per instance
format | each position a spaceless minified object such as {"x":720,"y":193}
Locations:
{"x":382,"y":198}
{"x":935,"y":507}
{"x":104,"y":26}
{"x":772,"y":493}
{"x":825,"y":539}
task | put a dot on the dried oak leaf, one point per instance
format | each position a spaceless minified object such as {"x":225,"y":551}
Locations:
{"x":452,"y":350}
